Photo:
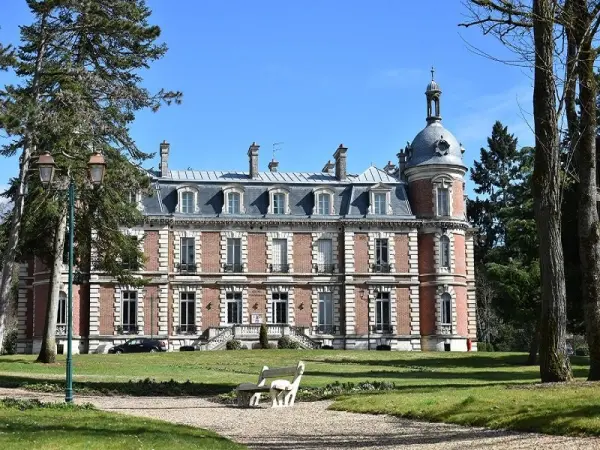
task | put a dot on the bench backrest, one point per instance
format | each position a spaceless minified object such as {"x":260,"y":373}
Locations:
{"x":295,"y":371}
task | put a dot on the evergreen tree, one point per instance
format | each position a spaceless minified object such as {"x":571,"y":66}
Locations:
{"x":92,"y":88}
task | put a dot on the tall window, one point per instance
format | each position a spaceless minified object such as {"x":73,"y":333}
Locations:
{"x":234,"y":255}
{"x":61,"y":317}
{"x":443,"y":201}
{"x":324,"y":204}
{"x":325,"y":312}
{"x":280,"y":263}
{"x":381,"y":256}
{"x":129,"y":311}
{"x":280,"y":304}
{"x":233,"y":202}
{"x":132,"y":196}
{"x":234,"y":307}
{"x":187,"y":202}
{"x":445,"y":252}
{"x":380,"y":203}
{"x":324,"y":256}
{"x":279,"y":203}
{"x":188,"y":252}
{"x":446,"y":309}
{"x":187,"y":312}
{"x":129,"y":254}
{"x":382,"y":312}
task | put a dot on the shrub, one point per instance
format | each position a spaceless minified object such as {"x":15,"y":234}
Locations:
{"x":582,"y":351}
{"x":287,"y":342}
{"x":485,"y":347}
{"x":234,"y":344}
{"x":263,"y":337}
{"x":384,"y":347}
{"x":9,"y":346}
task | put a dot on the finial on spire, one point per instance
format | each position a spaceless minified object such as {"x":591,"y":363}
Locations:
{"x":432,"y":73}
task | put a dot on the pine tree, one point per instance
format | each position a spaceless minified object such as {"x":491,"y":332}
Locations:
{"x":92,"y":89}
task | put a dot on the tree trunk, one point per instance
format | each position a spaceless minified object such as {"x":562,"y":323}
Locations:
{"x":48,"y":350}
{"x":589,"y":237}
{"x":534,"y":346}
{"x":554,"y":364}
{"x":10,"y":254}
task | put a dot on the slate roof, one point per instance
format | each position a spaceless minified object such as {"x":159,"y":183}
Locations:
{"x":350,"y":197}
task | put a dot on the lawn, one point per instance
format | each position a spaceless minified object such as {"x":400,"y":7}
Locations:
{"x":487,"y":389}
{"x":29,"y":424}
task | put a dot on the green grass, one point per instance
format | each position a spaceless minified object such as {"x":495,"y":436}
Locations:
{"x":488,"y":389}
{"x":27,"y":424}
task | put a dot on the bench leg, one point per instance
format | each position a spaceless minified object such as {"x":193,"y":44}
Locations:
{"x":290,"y":398}
{"x":255,"y":399}
{"x":243,"y":398}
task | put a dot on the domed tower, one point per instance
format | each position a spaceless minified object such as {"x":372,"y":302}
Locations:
{"x":434,"y":168}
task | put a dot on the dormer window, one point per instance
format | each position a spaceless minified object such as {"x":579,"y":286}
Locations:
{"x":380,"y":203}
{"x":323,"y":202}
{"x":380,"y":200}
{"x":233,"y":203}
{"x":187,"y":200}
{"x":233,"y":200}
{"x":279,"y":201}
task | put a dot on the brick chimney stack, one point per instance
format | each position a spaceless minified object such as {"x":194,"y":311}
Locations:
{"x":402,"y":157}
{"x":340,"y":162}
{"x":328,"y":167}
{"x":253,"y":159}
{"x":164,"y":158}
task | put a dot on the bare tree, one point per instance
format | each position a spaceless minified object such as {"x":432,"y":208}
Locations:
{"x":487,"y":319}
{"x":505,"y":19}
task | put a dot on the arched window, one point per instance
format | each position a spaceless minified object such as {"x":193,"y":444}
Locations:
{"x":446,"y":318}
{"x":233,"y":202}
{"x":323,"y":204}
{"x":445,"y":252}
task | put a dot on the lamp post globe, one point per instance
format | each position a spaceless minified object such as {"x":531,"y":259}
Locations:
{"x":46,"y":167}
{"x":97,"y":167}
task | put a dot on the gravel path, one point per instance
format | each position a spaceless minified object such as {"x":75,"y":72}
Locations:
{"x":310,"y":426}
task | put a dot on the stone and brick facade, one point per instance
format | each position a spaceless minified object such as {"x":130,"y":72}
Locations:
{"x":351,"y":261}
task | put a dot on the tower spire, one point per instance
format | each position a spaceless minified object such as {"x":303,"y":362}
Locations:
{"x":433,"y":94}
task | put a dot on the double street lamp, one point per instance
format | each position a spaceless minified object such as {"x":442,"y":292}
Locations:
{"x":47,"y":168}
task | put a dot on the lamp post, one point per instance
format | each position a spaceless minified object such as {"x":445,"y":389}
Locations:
{"x":47,"y":167}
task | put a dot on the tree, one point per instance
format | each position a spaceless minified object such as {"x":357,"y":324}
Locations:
{"x":92,"y":89}
{"x":503,"y":19}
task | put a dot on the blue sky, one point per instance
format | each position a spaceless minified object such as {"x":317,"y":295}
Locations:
{"x":313,"y":75}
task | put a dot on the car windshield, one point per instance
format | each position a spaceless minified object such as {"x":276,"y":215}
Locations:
{"x":132,"y":342}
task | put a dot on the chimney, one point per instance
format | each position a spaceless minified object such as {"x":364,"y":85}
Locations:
{"x":253,"y":159}
{"x":402,"y":157}
{"x":328,"y":167}
{"x":273,"y":165}
{"x":390,"y":168}
{"x":340,"y":162}
{"x":164,"y":158}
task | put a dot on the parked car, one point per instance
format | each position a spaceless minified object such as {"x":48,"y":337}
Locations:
{"x":189,"y":348}
{"x":140,"y":345}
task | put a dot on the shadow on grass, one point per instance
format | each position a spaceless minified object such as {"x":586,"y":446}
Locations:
{"x":141,"y":388}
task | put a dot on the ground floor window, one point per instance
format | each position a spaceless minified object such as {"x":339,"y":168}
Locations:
{"x":280,"y":305}
{"x":61,"y":318}
{"x":325,"y":312}
{"x":129,"y":312}
{"x":187,"y":312}
{"x":382,"y":312}
{"x":234,"y":307}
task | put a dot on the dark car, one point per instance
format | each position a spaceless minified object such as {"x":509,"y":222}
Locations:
{"x":140,"y":345}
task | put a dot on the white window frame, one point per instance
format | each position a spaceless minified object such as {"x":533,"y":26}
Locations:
{"x":187,"y":189}
{"x":442,"y":182}
{"x":380,"y":189}
{"x":230,"y":297}
{"x":286,"y":197}
{"x":318,"y":192}
{"x":233,"y":190}
{"x":62,"y":310}
{"x":135,"y":300}
{"x":325,"y":309}
{"x":446,"y":307}
{"x":445,"y":253}
{"x":190,"y":297}
{"x":381,"y":298}
{"x":285,"y":301}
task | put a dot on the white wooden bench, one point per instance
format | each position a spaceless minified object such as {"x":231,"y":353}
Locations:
{"x":283,"y":392}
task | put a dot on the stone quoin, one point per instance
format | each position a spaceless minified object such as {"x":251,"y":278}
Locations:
{"x":352,"y":261}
